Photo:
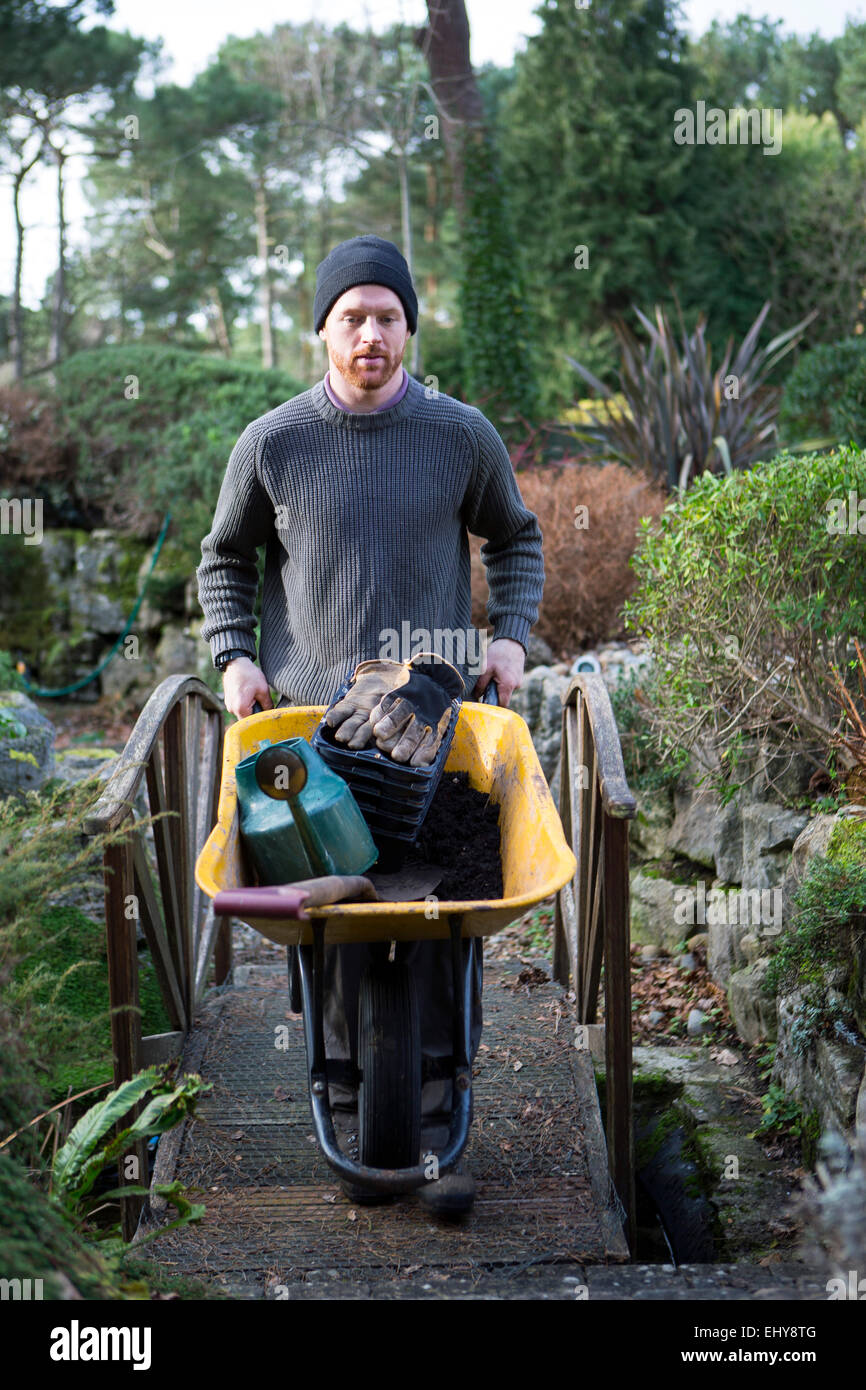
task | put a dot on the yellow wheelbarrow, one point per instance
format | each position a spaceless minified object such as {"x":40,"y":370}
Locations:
{"x":493,"y":747}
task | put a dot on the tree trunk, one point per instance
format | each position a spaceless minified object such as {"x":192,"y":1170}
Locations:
{"x":266,"y":294}
{"x":406,"y":229}
{"x":58,"y":312}
{"x":430,"y":228}
{"x":16,"y":341}
{"x":444,"y":41}
{"x":221,"y":331}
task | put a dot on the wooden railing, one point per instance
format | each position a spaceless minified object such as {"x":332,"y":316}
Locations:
{"x":591,"y":923}
{"x":175,"y":752}
{"x":166,"y":784}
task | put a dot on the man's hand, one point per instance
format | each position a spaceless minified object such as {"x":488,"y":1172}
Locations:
{"x":504,"y":663}
{"x":243,"y":684}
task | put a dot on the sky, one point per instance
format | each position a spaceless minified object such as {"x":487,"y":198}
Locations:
{"x":193,"y":30}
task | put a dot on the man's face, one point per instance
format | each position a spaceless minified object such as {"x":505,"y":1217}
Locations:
{"x":366,"y":333}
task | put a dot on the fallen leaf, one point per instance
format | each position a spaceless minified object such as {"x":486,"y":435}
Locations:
{"x":330,"y":1197}
{"x":517,"y":1066}
{"x":725,"y":1057}
{"x":353,"y":1215}
{"x":238,"y":1134}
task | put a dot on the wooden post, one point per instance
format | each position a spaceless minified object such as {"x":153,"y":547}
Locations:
{"x":222,"y":956}
{"x":120,"y":940}
{"x":617,"y":1035}
{"x":122,"y":951}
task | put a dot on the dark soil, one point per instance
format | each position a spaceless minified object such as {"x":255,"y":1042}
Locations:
{"x":461,"y":832}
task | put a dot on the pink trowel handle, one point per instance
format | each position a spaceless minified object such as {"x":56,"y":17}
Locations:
{"x":283,"y":901}
{"x":289,"y":899}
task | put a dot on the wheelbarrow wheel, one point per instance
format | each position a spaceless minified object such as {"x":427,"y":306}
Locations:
{"x":389,"y":1056}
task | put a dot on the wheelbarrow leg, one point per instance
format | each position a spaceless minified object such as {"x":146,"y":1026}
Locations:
{"x":394,"y":1180}
{"x":463,"y":972}
{"x":295,"y":1003}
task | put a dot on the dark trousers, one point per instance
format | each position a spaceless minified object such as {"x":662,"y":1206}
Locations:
{"x":431,"y":968}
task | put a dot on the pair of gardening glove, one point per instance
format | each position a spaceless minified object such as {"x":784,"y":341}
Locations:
{"x":404,"y":705}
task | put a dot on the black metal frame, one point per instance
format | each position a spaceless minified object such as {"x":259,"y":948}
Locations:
{"x":311,"y":969}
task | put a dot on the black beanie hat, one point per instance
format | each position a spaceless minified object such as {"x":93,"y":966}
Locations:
{"x":363,"y":260}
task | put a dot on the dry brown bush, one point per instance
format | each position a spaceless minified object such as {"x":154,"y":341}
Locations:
{"x":587,"y":575}
{"x":32,"y":448}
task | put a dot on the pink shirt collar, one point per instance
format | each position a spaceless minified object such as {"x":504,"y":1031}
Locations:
{"x":395,"y":399}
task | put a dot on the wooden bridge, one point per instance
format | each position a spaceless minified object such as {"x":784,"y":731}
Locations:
{"x":553,"y":1195}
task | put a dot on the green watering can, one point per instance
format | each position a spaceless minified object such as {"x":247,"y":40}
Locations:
{"x":298,"y":819}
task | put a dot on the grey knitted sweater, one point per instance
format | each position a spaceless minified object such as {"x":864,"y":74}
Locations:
{"x":364,"y":518}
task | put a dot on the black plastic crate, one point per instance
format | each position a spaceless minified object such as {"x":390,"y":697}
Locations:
{"x":394,"y":798}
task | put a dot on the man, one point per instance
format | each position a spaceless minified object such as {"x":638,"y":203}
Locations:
{"x":362,"y":491}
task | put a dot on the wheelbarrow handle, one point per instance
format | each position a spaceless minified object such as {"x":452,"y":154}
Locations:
{"x":490,"y":695}
{"x":290,"y":899}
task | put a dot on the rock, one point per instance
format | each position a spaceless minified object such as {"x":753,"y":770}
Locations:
{"x":729,"y":844}
{"x":780,"y":774}
{"x":824,"y":1076}
{"x":687,"y":963}
{"x":724,"y":933}
{"x":97,"y":591}
{"x":750,"y":946}
{"x":653,"y":903}
{"x":129,"y":677}
{"x":77,"y":764}
{"x":699,"y":942}
{"x":176,"y":653}
{"x":698,"y":1024}
{"x":618,"y":659}
{"x":538,"y":653}
{"x":840,"y":1068}
{"x":649,"y":831}
{"x":655,"y":1017}
{"x":769,"y":833}
{"x":26,"y":744}
{"x":539,"y":702}
{"x":812,"y":840}
{"x":695,"y":831}
{"x":649,"y":952}
{"x":752,"y":1011}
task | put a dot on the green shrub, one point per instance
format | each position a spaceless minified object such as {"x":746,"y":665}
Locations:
{"x":631,"y":700}
{"x":64,"y":990}
{"x":748,"y":598}
{"x":54,"y":1024}
{"x":166,"y":448}
{"x":825,"y":395}
{"x":9,"y":676}
{"x":782,"y":1114}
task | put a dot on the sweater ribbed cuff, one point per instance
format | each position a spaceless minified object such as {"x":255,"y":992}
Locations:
{"x":513,"y":626}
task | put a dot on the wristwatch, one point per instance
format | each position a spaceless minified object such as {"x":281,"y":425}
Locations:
{"x":221,"y":662}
